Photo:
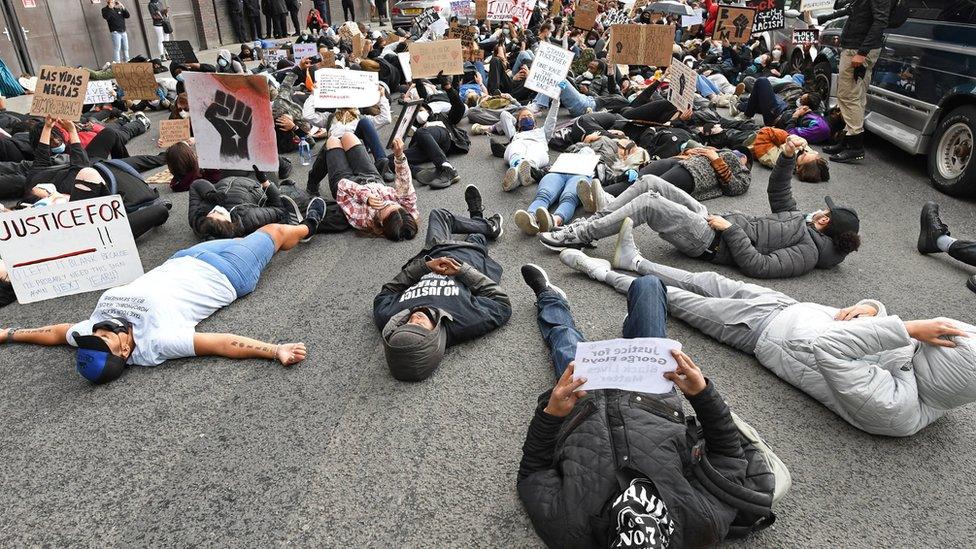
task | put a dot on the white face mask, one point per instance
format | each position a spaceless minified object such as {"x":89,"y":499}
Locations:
{"x":184,"y":114}
{"x":777,"y":54}
{"x":221,"y":211}
{"x":588,"y":75}
{"x":422,"y":116}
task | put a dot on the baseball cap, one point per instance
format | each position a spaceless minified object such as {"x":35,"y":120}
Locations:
{"x":842,"y":220}
{"x":95,"y":361}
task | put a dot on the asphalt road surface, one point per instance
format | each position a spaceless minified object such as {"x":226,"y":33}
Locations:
{"x":335,"y":453}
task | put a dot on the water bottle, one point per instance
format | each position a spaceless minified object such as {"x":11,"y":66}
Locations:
{"x":305,"y":152}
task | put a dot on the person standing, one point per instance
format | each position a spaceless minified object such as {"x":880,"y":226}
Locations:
{"x":252,"y":18}
{"x":161,"y":25}
{"x":293,"y":7}
{"x":116,"y":14}
{"x":861,"y":44}
{"x":235,"y":9}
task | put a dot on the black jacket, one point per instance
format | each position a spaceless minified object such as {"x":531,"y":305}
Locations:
{"x":460,"y":142}
{"x":569,"y":469}
{"x":865,"y":25}
{"x":116,"y":18}
{"x":250,"y":206}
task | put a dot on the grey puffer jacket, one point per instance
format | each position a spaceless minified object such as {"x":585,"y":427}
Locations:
{"x":569,"y":469}
{"x":250,"y":206}
{"x":780,"y":244}
{"x":868,"y":370}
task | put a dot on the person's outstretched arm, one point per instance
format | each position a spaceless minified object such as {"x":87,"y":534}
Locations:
{"x":780,"y":187}
{"x":236,"y":346}
{"x":55,"y":334}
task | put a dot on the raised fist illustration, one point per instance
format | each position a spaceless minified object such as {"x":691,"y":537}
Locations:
{"x":232,"y":120}
{"x":740,"y":23}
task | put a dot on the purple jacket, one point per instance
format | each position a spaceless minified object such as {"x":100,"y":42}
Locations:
{"x":811,"y":127}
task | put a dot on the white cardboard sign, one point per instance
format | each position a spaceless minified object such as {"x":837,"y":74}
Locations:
{"x":811,"y":5}
{"x":68,"y":249}
{"x":682,"y":83}
{"x":549,"y":69}
{"x":99,"y":92}
{"x":339,"y":88}
{"x":301,"y":51}
{"x":404,"y":58}
{"x":628,"y":364}
{"x":272,"y":57}
{"x":575,"y":164}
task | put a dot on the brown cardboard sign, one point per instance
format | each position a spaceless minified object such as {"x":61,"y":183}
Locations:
{"x":136,"y":80}
{"x":173,"y":131}
{"x":480,"y":9}
{"x":734,"y":24}
{"x":60,"y":92}
{"x":633,"y":44}
{"x":429,"y":58}
{"x":585,"y":14}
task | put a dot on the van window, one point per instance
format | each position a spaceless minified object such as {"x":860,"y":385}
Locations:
{"x":954,"y":11}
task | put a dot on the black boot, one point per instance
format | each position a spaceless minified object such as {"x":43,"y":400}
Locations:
{"x":931,"y":228}
{"x":853,"y":151}
{"x":836,"y":147}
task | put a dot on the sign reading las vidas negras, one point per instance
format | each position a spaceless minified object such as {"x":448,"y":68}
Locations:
{"x":60,"y":92}
{"x":70,"y":248}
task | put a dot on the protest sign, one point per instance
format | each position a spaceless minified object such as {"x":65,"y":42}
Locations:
{"x":271,"y":57}
{"x":480,"y":9}
{"x":511,"y":10}
{"x":437,"y":28}
{"x":638,"y":6}
{"x":99,"y":91}
{"x":575,"y":164}
{"x":429,"y":58}
{"x":60,"y":92}
{"x":173,"y":131}
{"x":734,"y":24}
{"x":811,"y":5}
{"x":806,"y":36}
{"x":615,"y":17}
{"x":404,"y":122}
{"x":549,"y":69}
{"x":770,"y":15}
{"x":180,"y":51}
{"x":404,"y":58}
{"x":136,"y":80}
{"x":328,"y":59}
{"x":164,"y":177}
{"x":586,"y":12}
{"x":637,"y":364}
{"x":301,"y":51}
{"x":464,"y":33}
{"x":682,"y":83}
{"x":556,"y":9}
{"x":339,"y":88}
{"x":360,"y":46}
{"x":425,"y":20}
{"x":473,"y":54}
{"x":349,"y":29}
{"x":633,"y":44}
{"x":461,"y":9}
{"x":232,"y":122}
{"x":70,"y":248}
{"x":691,"y":20}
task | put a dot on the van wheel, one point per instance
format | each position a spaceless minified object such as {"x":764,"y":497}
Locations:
{"x":797,"y":60}
{"x":951,"y":164}
{"x":821,"y":79}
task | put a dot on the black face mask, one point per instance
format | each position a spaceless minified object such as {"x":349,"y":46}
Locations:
{"x":114,"y":325}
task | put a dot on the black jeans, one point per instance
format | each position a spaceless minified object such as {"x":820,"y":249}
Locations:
{"x":499,"y":81}
{"x":658,"y":111}
{"x":354,"y":164}
{"x":252,"y":23}
{"x":294,"y":21}
{"x":111,"y":141}
{"x":427,"y":145}
{"x":145,"y":162}
{"x":764,"y":100}
{"x":442,"y":225}
{"x":348,"y":10}
{"x":963,"y":250}
{"x":670,"y":170}
{"x":142,"y":220}
{"x":9,"y":152}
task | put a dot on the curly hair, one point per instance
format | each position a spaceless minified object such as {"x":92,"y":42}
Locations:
{"x":847,"y":242}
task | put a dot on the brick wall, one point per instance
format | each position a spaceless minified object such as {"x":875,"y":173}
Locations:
{"x":206,"y":20}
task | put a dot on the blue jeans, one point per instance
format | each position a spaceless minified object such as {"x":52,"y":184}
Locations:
{"x":241,"y":260}
{"x":520,"y":60}
{"x":647,"y":313}
{"x":561,"y":187}
{"x":706,"y":87}
{"x":764,"y":101}
{"x":120,"y":46}
{"x":572,"y":99}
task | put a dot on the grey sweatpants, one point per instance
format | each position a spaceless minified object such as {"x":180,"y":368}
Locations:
{"x":666,"y":209}
{"x":730,"y":311}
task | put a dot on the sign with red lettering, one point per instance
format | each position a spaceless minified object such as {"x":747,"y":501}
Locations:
{"x":69,"y":248}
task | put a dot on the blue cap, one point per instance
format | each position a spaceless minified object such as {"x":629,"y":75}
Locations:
{"x":95,"y":362}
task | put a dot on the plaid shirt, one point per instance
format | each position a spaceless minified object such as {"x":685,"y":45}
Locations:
{"x":352,"y":198}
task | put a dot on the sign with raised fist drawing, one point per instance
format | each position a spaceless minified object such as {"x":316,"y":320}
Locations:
{"x":734,"y":24}
{"x":232,"y":122}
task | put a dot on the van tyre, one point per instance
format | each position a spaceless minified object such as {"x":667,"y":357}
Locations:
{"x":822,"y":72}
{"x":952,"y":166}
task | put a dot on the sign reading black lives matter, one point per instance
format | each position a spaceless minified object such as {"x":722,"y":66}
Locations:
{"x":180,"y":51}
{"x":806,"y":36}
{"x":60,"y":92}
{"x":770,"y":14}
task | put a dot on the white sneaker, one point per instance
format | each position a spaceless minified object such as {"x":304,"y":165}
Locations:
{"x":480,"y":129}
{"x":524,"y":173}
{"x":625,"y":253}
{"x":526,"y":223}
{"x":544,"y":219}
{"x":141,"y":117}
{"x":511,"y":180}
{"x":594,"y":267}
{"x":585,"y":195}
{"x":601,"y":199}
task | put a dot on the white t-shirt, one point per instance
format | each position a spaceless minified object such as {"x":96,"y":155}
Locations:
{"x":164,"y":306}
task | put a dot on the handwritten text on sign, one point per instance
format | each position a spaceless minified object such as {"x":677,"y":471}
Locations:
{"x":69,"y":248}
{"x":339,"y":88}
{"x":734,"y":24}
{"x":173,"y":131}
{"x":628,"y":364}
{"x":682,"y":83}
{"x":511,"y":10}
{"x":549,"y":69}
{"x":429,"y":58}
{"x":136,"y":80}
{"x":60,"y":92}
{"x":100,"y":91}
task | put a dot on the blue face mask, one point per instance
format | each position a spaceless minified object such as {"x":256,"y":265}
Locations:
{"x":179,"y":77}
{"x":59,"y":149}
{"x":526,"y":124}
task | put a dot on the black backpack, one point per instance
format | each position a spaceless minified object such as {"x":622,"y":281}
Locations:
{"x":898,"y":15}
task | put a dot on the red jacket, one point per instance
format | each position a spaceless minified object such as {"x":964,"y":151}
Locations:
{"x":712,"y":8}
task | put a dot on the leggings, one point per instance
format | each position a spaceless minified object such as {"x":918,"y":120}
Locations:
{"x":348,"y":10}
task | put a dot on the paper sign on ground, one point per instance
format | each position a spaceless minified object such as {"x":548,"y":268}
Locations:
{"x":232,"y":122}
{"x":633,"y":44}
{"x":136,"y":80}
{"x":68,"y":249}
{"x":173,"y":131}
{"x":549,"y":69}
{"x":585,"y":14}
{"x":628,"y":364}
{"x":301,"y":51}
{"x":682,"y":83}
{"x":429,"y":58}
{"x":770,"y":15}
{"x":99,"y":91}
{"x":339,"y":88}
{"x":180,"y":51}
{"x":575,"y":163}
{"x":60,"y":92}
{"x":811,"y":5}
{"x":806,"y":36}
{"x":734,"y":24}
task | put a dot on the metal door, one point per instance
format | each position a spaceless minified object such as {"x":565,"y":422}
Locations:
{"x":8,"y":48}
{"x":37,"y":28}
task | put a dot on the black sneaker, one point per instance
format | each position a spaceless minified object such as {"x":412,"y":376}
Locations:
{"x":313,"y":216}
{"x":537,"y":279}
{"x":293,"y":214}
{"x":497,"y":148}
{"x":497,"y":223}
{"x":383,"y":166}
{"x":472,"y":196}
{"x":971,"y":283}
{"x":931,"y":228}
{"x":853,"y":150}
